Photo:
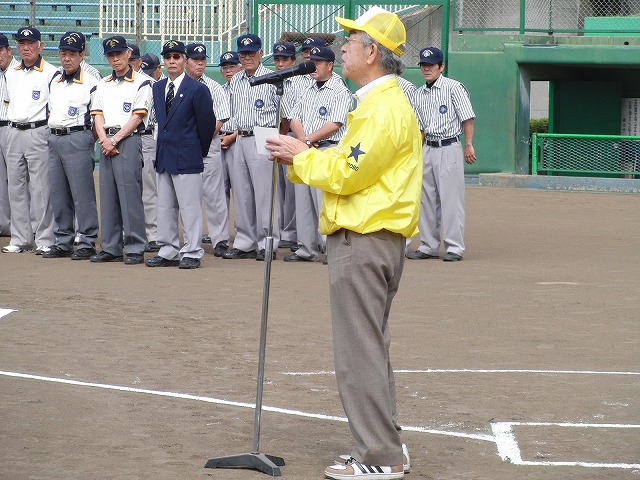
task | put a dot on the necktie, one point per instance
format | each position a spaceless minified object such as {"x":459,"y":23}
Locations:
{"x":169,"y":99}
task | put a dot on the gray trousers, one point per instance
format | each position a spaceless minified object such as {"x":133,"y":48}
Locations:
{"x":149,"y":188}
{"x":287,"y":200}
{"x":227,"y":159}
{"x":73,"y":192}
{"x":308,"y":202}
{"x":442,"y":200}
{"x":213,"y":194}
{"x":180,"y":194}
{"x":252,"y":178}
{"x":5,"y":209}
{"x":121,"y":209}
{"x":364,"y":275}
{"x":27,"y":160}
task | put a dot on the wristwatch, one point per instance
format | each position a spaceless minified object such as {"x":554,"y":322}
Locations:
{"x":308,"y":142}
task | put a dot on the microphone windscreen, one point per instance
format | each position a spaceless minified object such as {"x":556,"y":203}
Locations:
{"x":307,"y":67}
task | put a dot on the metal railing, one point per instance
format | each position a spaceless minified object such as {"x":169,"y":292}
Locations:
{"x":547,"y":16}
{"x":615,"y":156}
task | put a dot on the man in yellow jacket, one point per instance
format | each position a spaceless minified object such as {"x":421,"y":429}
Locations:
{"x":371,"y":183}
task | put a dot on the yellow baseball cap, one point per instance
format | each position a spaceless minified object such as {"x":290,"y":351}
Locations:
{"x":383,"y":26}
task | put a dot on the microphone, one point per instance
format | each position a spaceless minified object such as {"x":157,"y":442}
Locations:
{"x":279,"y":75}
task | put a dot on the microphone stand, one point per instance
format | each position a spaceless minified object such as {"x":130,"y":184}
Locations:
{"x":268,"y":464}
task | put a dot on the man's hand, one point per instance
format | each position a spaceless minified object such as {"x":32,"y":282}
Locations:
{"x":283,"y":148}
{"x":469,"y":154}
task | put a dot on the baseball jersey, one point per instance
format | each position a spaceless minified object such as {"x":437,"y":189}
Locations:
{"x":117,"y":98}
{"x":221,"y":103}
{"x":27,"y":92}
{"x":253,"y":106}
{"x":70,"y":99}
{"x":442,"y":108}
{"x":3,"y":89}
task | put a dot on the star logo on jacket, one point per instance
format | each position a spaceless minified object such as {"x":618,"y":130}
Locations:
{"x":35,"y":94}
{"x":126,"y":106}
{"x":356,"y":152}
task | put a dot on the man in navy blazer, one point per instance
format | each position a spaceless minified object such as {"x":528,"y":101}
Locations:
{"x":185,"y":126}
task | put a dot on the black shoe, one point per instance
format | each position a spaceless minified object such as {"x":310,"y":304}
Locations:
{"x":220,"y":248}
{"x":296,"y":258}
{"x":261,"y":255}
{"x":452,"y":257}
{"x":294,"y":248}
{"x":189,"y":263}
{"x":236,"y":254}
{"x":418,"y":255}
{"x":105,"y":257}
{"x":57,"y":252}
{"x":134,"y":259}
{"x":159,"y":261}
{"x":206,"y":239}
{"x":287,"y":244}
{"x":83,"y":254}
{"x":152,"y":247}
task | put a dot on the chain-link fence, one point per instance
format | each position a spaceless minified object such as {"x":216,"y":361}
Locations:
{"x":547,"y":16}
{"x":599,"y":155}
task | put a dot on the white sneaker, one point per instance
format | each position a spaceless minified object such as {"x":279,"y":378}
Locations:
{"x":12,"y":249}
{"x":42,"y":249}
{"x":354,"y":469}
{"x":406,"y":461}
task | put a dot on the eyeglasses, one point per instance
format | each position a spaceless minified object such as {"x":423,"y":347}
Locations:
{"x":348,"y":40}
{"x":247,"y":54}
{"x":175,"y":56}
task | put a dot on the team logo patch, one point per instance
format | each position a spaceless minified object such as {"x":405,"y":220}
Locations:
{"x":73,"y":111}
{"x":35,"y":94}
{"x":443,"y":109}
{"x":126,"y":107}
{"x":322,"y":111}
{"x":246,"y":41}
{"x":259,"y":103}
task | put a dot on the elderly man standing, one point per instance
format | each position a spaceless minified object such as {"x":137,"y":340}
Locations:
{"x":184,"y":112}
{"x":120,"y":110}
{"x":27,"y":153}
{"x":371,"y":196}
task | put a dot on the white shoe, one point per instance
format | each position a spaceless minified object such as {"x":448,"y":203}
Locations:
{"x":406,"y":461}
{"x":42,"y":249}
{"x":354,"y":469}
{"x":12,"y":249}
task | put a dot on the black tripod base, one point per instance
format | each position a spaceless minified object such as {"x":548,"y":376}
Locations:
{"x":257,"y":461}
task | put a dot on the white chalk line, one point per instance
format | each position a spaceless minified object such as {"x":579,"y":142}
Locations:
{"x":509,"y":450}
{"x":469,"y":370}
{"x":218,"y":401}
{"x":5,"y":311}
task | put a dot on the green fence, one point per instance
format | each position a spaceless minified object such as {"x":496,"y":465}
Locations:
{"x":585,"y":155}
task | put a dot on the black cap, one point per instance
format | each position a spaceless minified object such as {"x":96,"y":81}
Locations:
{"x":249,"y":42}
{"x":229,"y":58}
{"x":284,"y":49}
{"x":322,"y":53}
{"x":173,"y":46}
{"x":4,"y":41}
{"x":149,"y":63}
{"x":114,"y":44}
{"x":28,"y":33}
{"x":196,"y":50}
{"x":135,"y":51}
{"x":74,"y":41}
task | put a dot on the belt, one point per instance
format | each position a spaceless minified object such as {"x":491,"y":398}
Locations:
{"x":67,"y":130}
{"x":245,"y":133}
{"x":225,"y":133}
{"x":445,"y":142}
{"x":4,"y":123}
{"x":148,"y":131}
{"x":326,"y":143}
{"x":111,"y":131}
{"x":28,"y":126}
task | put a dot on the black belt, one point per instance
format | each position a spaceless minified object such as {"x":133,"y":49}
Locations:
{"x":245,"y":133}
{"x":326,"y":143}
{"x":4,"y":123}
{"x":28,"y":126}
{"x":225,"y":133}
{"x":111,"y":131}
{"x":148,"y":131}
{"x":445,"y":142}
{"x":68,"y":130}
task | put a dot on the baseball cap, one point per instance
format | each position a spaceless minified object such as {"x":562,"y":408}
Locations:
{"x":284,"y":49}
{"x":135,"y":51}
{"x":383,"y":26}
{"x":4,"y":41}
{"x":149,"y":63}
{"x":73,"y":41}
{"x":174,"y":46}
{"x":249,"y":42}
{"x":116,"y":43}
{"x":430,"y":56}
{"x":322,"y":53}
{"x":196,"y":50}
{"x":28,"y":33}
{"x":229,"y":58}
{"x":311,"y":42}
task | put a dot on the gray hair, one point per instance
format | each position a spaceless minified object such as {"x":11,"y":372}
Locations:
{"x":389,"y":61}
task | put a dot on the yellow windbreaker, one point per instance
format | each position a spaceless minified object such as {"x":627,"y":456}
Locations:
{"x":372,"y":179}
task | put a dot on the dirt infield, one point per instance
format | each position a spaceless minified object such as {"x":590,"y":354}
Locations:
{"x":539,"y":324}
